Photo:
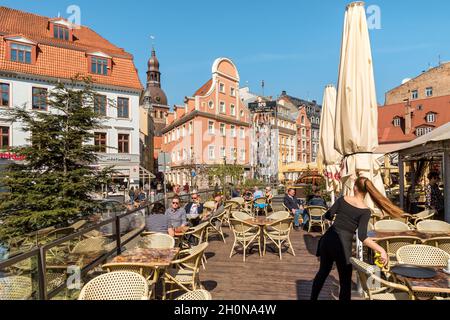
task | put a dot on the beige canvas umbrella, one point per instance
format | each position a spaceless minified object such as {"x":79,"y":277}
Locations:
{"x":356,"y":135}
{"x":328,"y":159}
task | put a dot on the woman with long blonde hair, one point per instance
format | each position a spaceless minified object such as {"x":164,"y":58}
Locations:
{"x":336,"y":245}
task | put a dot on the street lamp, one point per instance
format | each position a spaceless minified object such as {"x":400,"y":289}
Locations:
{"x":125,"y":181}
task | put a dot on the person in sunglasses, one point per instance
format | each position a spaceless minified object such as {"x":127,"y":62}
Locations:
{"x":194,"y":209}
{"x":176,"y":214}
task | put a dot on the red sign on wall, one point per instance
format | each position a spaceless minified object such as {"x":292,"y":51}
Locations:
{"x":11,"y":156}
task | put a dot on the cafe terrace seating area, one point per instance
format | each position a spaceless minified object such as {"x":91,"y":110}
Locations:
{"x":250,"y":251}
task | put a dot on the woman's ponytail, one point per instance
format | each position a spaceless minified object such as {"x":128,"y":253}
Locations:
{"x":367,"y":186}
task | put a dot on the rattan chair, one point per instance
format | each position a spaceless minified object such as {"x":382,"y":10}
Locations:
{"x":238,"y":200}
{"x":121,"y":285}
{"x":78,"y":225}
{"x":316,"y":217}
{"x":421,"y":216}
{"x":422,"y":255}
{"x":90,"y":246}
{"x":391,"y":226}
{"x":287,"y":209}
{"x":279,"y":234}
{"x":433,"y":226}
{"x":234,"y":204}
{"x":239,"y":215}
{"x":279,"y":215}
{"x":245,"y":235}
{"x":196,"y":295}
{"x":377,"y":215}
{"x":198,"y":234}
{"x":260,"y":204}
{"x":15,"y":288}
{"x":157,"y":241}
{"x":441,"y":243}
{"x":184,"y":272}
{"x":216,"y":223}
{"x":392,"y":244}
{"x":375,"y":287}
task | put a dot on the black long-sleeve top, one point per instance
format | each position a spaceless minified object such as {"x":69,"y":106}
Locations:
{"x":348,"y":220}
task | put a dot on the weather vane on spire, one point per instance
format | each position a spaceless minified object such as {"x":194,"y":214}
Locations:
{"x":153,"y":41}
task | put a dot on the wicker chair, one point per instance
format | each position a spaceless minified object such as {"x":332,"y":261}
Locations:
{"x":391,"y":226}
{"x":238,"y":200}
{"x":433,"y":226}
{"x":185,"y":270}
{"x":316,"y":217}
{"x":279,"y":233}
{"x":157,"y":241}
{"x":196,"y":295}
{"x":287,"y":209}
{"x":15,"y":288}
{"x":198,"y":233}
{"x":441,"y":243}
{"x":375,"y":287}
{"x":260,"y":204}
{"x":280,"y":215}
{"x":377,"y":215}
{"x":421,"y":216}
{"x":422,"y":255}
{"x":239,"y":215}
{"x":78,"y":225}
{"x":245,"y":235}
{"x":121,"y":285}
{"x":234,"y":204}
{"x":392,"y":244}
{"x":95,"y":245}
{"x":216,"y":223}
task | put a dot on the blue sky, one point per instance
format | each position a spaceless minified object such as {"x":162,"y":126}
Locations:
{"x":294,"y":45}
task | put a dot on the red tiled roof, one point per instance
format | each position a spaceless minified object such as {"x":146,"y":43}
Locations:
{"x":388,"y":133}
{"x":204,"y":89}
{"x":64,"y":59}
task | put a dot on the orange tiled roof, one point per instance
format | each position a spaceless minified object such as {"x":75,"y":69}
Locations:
{"x":204,"y":89}
{"x":64,"y":59}
{"x":388,"y":133}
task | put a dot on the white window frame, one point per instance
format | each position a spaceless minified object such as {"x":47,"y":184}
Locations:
{"x":233,"y":92}
{"x":242,"y":132}
{"x":223,"y":129}
{"x":429,"y":92}
{"x":211,"y":104}
{"x":222,"y":107}
{"x":222,"y":88}
{"x":223,"y":152}
{"x":233,"y":131}
{"x":191,"y":128}
{"x":211,"y":153}
{"x":243,"y":156}
{"x":431,"y":117}
{"x":397,"y":122}
{"x":233,"y":153}
{"x":414,"y":94}
{"x":211,"y":129}
{"x":233,"y":109}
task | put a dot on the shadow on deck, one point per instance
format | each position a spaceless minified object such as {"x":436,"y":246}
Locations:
{"x":266,"y":278}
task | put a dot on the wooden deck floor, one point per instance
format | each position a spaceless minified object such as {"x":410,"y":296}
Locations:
{"x":266,"y":278}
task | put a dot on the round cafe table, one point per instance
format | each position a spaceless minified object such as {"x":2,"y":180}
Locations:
{"x":262,"y":222}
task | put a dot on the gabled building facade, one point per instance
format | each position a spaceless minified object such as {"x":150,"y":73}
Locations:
{"x":37,"y":52}
{"x":212,"y":127}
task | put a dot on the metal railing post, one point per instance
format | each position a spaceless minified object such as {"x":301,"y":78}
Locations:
{"x":118,"y":240}
{"x":42,"y":277}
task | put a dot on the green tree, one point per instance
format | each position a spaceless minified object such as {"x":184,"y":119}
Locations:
{"x":54,"y":183}
{"x":226,"y":173}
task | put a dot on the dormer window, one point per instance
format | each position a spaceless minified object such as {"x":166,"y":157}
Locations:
{"x":397,"y":122}
{"x":100,"y":63}
{"x":60,"y":32}
{"x":61,"y":29}
{"x":20,"y":49}
{"x":431,"y":117}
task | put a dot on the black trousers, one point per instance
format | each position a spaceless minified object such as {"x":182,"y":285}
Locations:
{"x":330,"y":251}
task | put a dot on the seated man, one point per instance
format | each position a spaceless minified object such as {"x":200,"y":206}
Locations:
{"x":219,"y":208}
{"x":177,"y":215}
{"x":158,"y":222}
{"x":296,"y":207}
{"x":194,"y":209}
{"x":317,"y":201}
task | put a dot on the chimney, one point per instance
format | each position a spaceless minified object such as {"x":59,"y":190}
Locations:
{"x":408,"y":117}
{"x":284,"y":93}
